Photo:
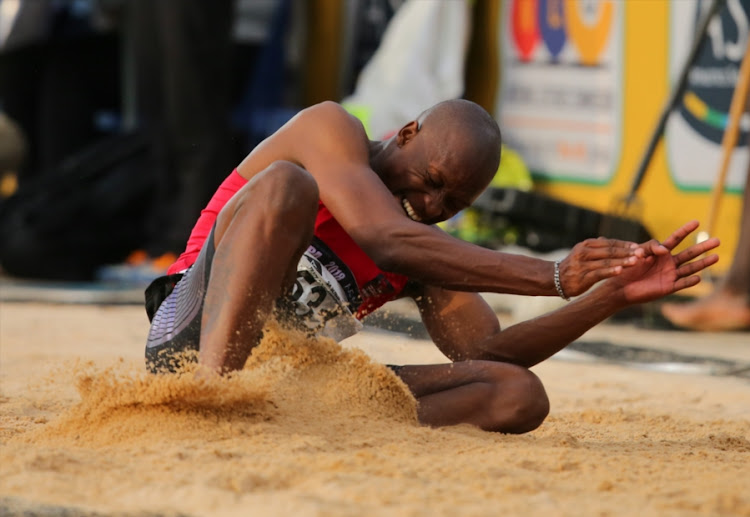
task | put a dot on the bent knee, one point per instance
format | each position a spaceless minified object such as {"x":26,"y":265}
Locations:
{"x":282,"y":196}
{"x":288,"y":183}
{"x":285,"y":174}
{"x":282,"y":188}
{"x":520,"y":403}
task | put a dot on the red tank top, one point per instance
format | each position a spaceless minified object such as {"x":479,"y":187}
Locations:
{"x":366,"y":285}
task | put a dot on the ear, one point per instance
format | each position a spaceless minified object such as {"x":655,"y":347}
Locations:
{"x":406,"y":133}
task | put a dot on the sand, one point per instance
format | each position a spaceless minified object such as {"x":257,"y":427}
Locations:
{"x":313,"y":428}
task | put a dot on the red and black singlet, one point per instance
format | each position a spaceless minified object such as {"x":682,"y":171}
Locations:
{"x":366,"y":286}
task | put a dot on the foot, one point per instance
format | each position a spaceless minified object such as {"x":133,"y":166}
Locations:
{"x":720,"y":311}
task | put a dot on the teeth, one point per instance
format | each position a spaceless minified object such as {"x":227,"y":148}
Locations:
{"x":410,"y":211}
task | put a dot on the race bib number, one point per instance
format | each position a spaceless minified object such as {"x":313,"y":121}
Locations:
{"x":319,"y":302}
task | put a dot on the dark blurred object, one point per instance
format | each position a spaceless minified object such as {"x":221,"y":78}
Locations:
{"x":12,"y":153}
{"x":264,"y":105}
{"x":57,"y":71}
{"x":546,"y":224}
{"x":26,"y":23}
{"x":368,"y":21}
{"x":183,"y":64}
{"x":88,"y":211}
{"x":12,"y":145}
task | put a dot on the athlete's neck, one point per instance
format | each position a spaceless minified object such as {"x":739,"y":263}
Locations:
{"x":377,"y":154}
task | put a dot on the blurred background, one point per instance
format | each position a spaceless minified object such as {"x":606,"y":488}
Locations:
{"x":119,"y":118}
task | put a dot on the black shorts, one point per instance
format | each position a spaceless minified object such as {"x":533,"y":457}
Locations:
{"x":176,"y":320}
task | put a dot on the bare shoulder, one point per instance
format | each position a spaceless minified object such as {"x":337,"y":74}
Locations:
{"x":333,"y":113}
{"x":321,"y":138}
{"x":329,"y":124}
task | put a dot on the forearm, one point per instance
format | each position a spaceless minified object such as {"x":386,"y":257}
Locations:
{"x":531,"y":342}
{"x":433,"y":257}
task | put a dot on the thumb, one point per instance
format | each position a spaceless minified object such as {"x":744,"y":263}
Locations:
{"x":654,"y":247}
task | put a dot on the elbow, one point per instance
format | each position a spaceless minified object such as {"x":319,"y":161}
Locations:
{"x":384,"y":248}
{"x":386,"y":259}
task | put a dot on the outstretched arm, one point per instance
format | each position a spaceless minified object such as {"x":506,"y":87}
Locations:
{"x":332,"y":145}
{"x":464,"y":327}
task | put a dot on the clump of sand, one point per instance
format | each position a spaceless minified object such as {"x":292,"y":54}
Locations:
{"x":289,"y":379}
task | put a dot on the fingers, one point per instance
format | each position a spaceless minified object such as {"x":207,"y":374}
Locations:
{"x":686,"y":272}
{"x":692,"y":268}
{"x":603,"y":242}
{"x":602,"y":248}
{"x":602,"y":273}
{"x":679,"y":235}
{"x":696,"y":250}
{"x":684,"y":283}
{"x":596,"y":259}
{"x":618,"y":255}
{"x":653,"y":247}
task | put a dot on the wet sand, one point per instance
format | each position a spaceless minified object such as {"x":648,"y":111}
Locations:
{"x":311,"y":428}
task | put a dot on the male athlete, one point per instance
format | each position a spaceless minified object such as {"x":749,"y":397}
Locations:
{"x":323,"y":225}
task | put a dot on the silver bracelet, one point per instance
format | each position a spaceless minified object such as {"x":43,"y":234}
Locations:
{"x":558,"y":285}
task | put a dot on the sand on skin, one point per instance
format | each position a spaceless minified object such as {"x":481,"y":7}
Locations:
{"x":310,"y":428}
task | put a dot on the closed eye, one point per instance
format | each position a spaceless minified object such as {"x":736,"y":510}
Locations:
{"x":433,"y":182}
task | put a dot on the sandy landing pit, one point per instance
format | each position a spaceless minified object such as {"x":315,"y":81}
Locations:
{"x":310,"y":428}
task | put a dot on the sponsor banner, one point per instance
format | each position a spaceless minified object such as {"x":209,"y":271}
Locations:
{"x":560,"y":95}
{"x":696,"y":128}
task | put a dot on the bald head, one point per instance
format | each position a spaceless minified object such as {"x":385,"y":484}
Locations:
{"x":438,"y":164}
{"x":466,"y":128}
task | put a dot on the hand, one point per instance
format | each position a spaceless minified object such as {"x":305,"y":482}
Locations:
{"x":660,"y":273}
{"x":594,"y":260}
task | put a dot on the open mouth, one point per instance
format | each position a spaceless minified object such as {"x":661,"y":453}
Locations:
{"x":410,"y":210}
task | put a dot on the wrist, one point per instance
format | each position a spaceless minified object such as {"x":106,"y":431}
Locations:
{"x":613,"y":293}
{"x":558,"y":282}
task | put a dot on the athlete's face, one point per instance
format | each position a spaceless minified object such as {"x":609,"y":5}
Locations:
{"x":434,"y":177}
